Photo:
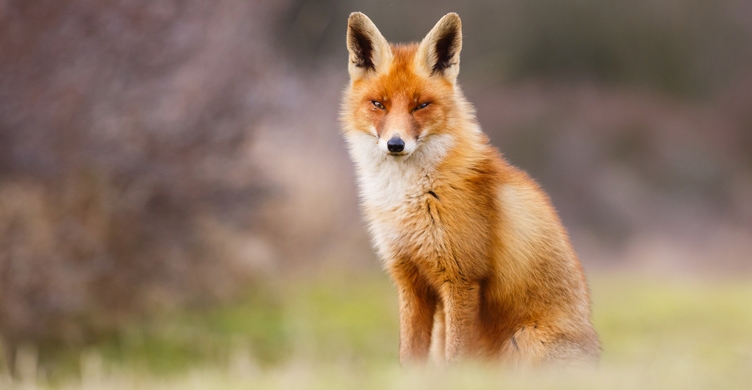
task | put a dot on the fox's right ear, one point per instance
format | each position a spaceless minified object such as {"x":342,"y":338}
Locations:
{"x":439,"y":52}
{"x":369,"y":50}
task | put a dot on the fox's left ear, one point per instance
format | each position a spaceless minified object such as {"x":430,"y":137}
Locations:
{"x":439,"y":52}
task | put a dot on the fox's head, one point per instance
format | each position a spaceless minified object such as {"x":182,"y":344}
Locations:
{"x":402,"y":95}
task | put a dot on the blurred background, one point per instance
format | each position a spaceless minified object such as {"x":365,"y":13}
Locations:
{"x":180,"y":162}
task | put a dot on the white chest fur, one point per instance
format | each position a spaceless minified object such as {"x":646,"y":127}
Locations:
{"x":388,"y":182}
{"x":392,"y":189}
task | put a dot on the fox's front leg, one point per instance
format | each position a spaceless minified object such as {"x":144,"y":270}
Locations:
{"x":417,"y":303}
{"x":462,"y":311}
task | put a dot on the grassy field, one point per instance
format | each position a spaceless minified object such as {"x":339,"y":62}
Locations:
{"x":342,"y":333}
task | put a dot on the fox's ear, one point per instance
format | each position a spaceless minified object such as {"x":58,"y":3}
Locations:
{"x":439,"y":52}
{"x":369,"y":50}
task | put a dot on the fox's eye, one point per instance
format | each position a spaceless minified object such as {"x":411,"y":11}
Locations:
{"x":422,"y":106}
{"x":378,"y":104}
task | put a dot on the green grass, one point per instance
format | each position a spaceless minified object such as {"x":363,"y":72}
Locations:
{"x":342,"y":333}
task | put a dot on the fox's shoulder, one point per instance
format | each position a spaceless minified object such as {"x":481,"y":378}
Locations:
{"x":526,"y":210}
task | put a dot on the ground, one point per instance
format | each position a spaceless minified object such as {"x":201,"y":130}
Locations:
{"x":341,"y":332}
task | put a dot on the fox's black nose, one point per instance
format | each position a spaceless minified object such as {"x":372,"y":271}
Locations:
{"x":395,"y":144}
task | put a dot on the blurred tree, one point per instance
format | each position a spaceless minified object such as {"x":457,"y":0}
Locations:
{"x":124,"y":131}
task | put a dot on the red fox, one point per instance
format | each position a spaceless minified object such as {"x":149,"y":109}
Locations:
{"x":483,"y":266}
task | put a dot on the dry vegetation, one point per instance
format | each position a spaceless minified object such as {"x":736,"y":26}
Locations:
{"x":125,"y":182}
{"x":332,"y":333}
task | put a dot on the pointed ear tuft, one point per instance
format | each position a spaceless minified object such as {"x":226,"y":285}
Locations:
{"x":368,"y":49}
{"x":440,"y":49}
